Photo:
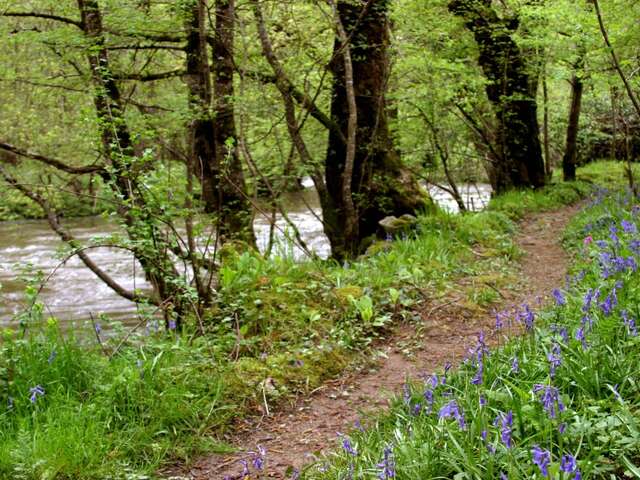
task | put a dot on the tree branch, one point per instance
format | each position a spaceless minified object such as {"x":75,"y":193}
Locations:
{"x":57,"y":18}
{"x":52,"y":161}
{"x":65,"y":236}
{"x":149,"y":77}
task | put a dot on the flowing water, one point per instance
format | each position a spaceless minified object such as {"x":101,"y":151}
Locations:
{"x":72,"y":292}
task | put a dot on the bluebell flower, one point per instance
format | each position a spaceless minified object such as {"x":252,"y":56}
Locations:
{"x":172,"y":324}
{"x":607,"y":305}
{"x":503,"y":476}
{"x":602,"y":244}
{"x":515,"y":365}
{"x":568,"y":464}
{"x":36,"y":392}
{"x":98,"y":328}
{"x":482,"y":401}
{"x":429,"y":397}
{"x":52,"y":356}
{"x":588,"y":298}
{"x":580,"y":336}
{"x":388,"y":464}
{"x":347,"y":447}
{"x":559,"y":297}
{"x":506,"y":424}
{"x":634,"y":245}
{"x":527,"y":317}
{"x":358,"y":425}
{"x":542,"y":458}
{"x":555,"y":359}
{"x":452,"y":409}
{"x":406,"y":393}
{"x":259,"y":458}
{"x":550,"y":399}
{"x":630,"y":323}
{"x":562,"y":428}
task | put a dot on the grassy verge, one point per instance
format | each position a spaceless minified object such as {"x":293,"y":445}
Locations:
{"x":561,"y":401}
{"x":282,"y":328}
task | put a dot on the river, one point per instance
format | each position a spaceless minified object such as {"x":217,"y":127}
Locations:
{"x":73,"y":293}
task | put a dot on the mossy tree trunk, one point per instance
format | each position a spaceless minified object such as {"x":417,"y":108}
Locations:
{"x":509,"y":89}
{"x":380,"y":184}
{"x":213,"y":131}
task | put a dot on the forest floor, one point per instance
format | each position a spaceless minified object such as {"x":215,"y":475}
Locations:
{"x":297,"y":434}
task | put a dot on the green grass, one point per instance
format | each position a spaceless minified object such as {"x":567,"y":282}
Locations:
{"x":597,"y":384}
{"x":280,"y":328}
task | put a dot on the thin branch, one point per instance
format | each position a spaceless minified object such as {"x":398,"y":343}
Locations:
{"x":614,"y":58}
{"x":65,"y":235}
{"x":46,"y":16}
{"x":150,"y":77}
{"x":87,"y":169}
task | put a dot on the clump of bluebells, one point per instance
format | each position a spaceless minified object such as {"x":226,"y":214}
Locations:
{"x":558,"y":400}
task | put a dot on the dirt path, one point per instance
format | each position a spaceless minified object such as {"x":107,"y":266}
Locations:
{"x":290,"y":436}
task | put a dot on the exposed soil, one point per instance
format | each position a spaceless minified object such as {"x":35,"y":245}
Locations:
{"x":295,"y":435}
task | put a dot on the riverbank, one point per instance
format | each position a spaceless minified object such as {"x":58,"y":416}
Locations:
{"x":135,"y":402}
{"x":558,"y":401}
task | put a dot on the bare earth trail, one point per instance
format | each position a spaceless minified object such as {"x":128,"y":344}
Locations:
{"x":291,"y":435}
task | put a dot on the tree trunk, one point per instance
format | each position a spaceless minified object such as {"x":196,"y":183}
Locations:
{"x":213,"y":135}
{"x":121,"y":177}
{"x":569,"y":159}
{"x":380,"y":184}
{"x":510,"y":92}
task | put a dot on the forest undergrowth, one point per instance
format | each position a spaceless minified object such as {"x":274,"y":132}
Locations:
{"x":560,"y":400}
{"x":120,"y":408}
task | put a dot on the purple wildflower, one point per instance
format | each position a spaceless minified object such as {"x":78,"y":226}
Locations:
{"x":562,"y":428}
{"x":555,"y":359}
{"x":550,"y":399}
{"x":295,"y":474}
{"x":542,"y":458}
{"x":515,"y":365}
{"x":581,"y":337}
{"x":358,"y":425}
{"x":503,"y":476}
{"x":452,"y":409}
{"x":630,"y":323}
{"x":245,"y":469}
{"x":607,"y":305}
{"x":568,"y":464}
{"x":429,"y":397}
{"x":98,"y":328}
{"x":347,"y":447}
{"x":388,"y":464}
{"x":36,"y":392}
{"x":172,"y":324}
{"x":482,"y":401}
{"x":259,"y":458}
{"x":559,"y":297}
{"x":527,"y":317}
{"x":506,"y":423}
{"x":499,"y":320}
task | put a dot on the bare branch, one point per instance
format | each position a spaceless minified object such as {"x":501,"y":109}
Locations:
{"x":65,"y":235}
{"x":46,"y":16}
{"x":87,"y":169}
{"x":150,"y":77}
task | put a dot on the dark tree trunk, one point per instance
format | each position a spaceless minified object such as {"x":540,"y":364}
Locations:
{"x":569,"y":159}
{"x":509,"y":90}
{"x":232,"y":196}
{"x":380,"y":184}
{"x":121,"y":177}
{"x":213,"y":134}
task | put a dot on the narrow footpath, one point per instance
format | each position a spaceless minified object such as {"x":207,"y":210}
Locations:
{"x":295,"y":435}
